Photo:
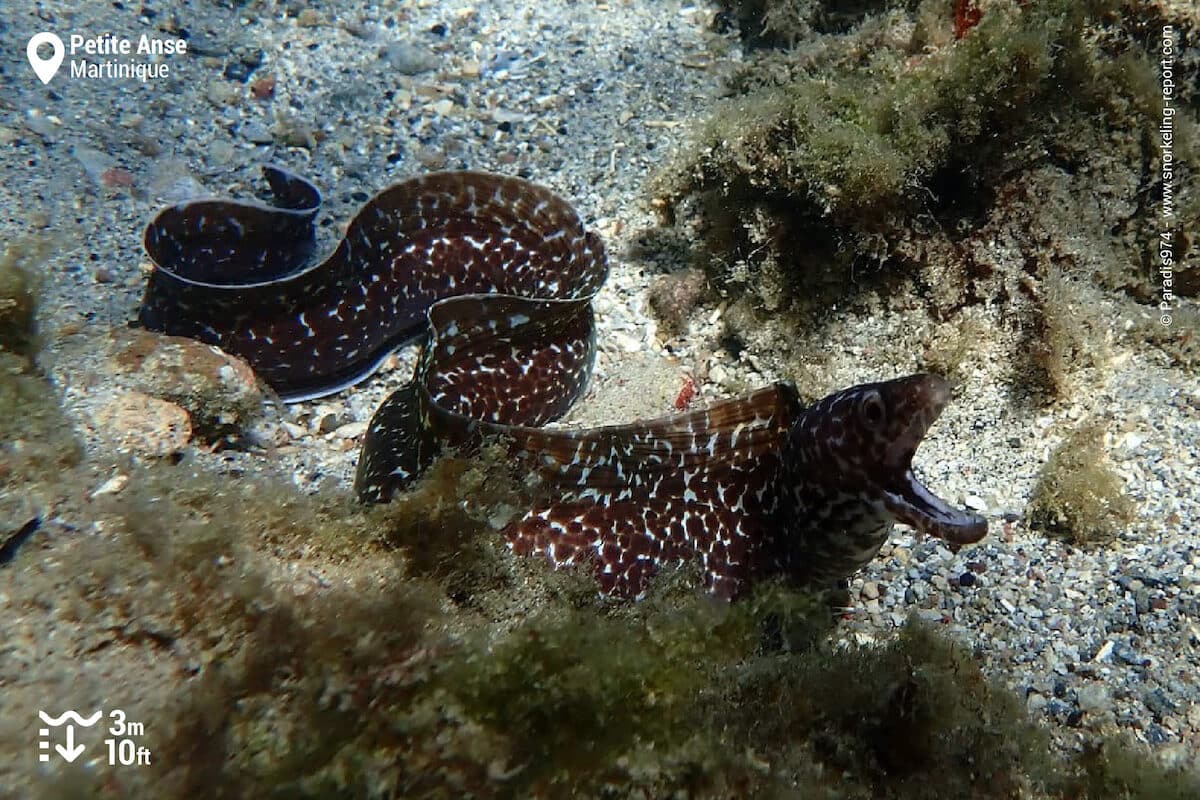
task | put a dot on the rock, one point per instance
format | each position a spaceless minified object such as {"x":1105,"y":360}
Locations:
{"x":111,"y":486}
{"x":218,"y":391}
{"x":1130,"y":656}
{"x":308,"y":18}
{"x":94,"y":162}
{"x":351,"y":430}
{"x":1155,"y":735}
{"x":1158,"y":702}
{"x":1092,"y":698}
{"x":293,"y":430}
{"x":673,"y":297}
{"x":295,"y":132}
{"x":407,"y":58}
{"x":221,"y":152}
{"x":328,"y":418}
{"x":222,"y":94}
{"x":139,"y":423}
{"x":256,"y":133}
{"x":171,"y":181}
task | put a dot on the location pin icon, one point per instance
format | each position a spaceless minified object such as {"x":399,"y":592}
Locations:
{"x":45,"y":67}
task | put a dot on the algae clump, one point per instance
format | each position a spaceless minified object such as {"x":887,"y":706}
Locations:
{"x":889,"y":148}
{"x":36,"y":442}
{"x":19,"y":283}
{"x":1078,"y":497}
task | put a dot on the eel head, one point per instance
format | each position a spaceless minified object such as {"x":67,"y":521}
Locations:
{"x":859,"y":443}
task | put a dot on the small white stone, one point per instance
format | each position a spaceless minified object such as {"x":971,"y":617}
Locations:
{"x":351,"y":430}
{"x":975,"y":502}
{"x":294,"y":430}
{"x":627,"y":342}
{"x":111,"y":486}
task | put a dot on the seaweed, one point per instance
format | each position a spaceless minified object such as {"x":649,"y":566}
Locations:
{"x":373,"y":672}
{"x":767,"y":23}
{"x":1064,"y":335}
{"x":36,"y":440}
{"x":1078,"y":497}
{"x":893,"y":137}
{"x":673,"y":297}
{"x":894,"y":159}
{"x":1118,"y":770}
{"x":19,"y":284}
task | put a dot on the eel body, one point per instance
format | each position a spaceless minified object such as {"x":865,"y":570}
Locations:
{"x":497,"y":274}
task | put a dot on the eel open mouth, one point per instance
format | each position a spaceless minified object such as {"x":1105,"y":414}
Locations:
{"x":925,"y":397}
{"x":915,"y":505}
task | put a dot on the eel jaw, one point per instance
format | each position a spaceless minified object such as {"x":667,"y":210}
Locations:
{"x":916,"y":506}
{"x":905,"y":497}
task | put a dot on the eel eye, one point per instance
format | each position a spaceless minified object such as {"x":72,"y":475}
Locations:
{"x":871,"y":408}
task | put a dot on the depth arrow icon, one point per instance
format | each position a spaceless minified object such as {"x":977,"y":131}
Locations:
{"x":72,"y":750}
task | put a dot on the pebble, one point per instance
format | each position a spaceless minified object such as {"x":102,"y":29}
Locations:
{"x":328,"y":418}
{"x":627,"y":343}
{"x":138,"y":423}
{"x":1129,"y":655}
{"x":213,"y":387}
{"x":351,"y":430}
{"x":293,"y":430}
{"x":1158,"y":703}
{"x":171,"y":180}
{"x":1156,"y":734}
{"x":407,"y":58}
{"x":111,"y":486}
{"x":256,"y":133}
{"x":94,"y":162}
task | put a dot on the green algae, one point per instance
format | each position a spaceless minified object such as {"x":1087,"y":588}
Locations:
{"x":35,"y":438}
{"x":869,"y":147}
{"x":19,"y":283}
{"x":674,"y":296}
{"x":1078,"y":496}
{"x":764,"y":23}
{"x":1064,"y":335}
{"x":1117,"y":770}
{"x":891,"y":165}
{"x":314,"y":657}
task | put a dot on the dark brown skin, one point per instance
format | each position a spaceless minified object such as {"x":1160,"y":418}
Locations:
{"x":848,"y":473}
{"x":498,"y":274}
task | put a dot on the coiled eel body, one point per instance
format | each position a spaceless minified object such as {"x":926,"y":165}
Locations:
{"x":498,"y":275}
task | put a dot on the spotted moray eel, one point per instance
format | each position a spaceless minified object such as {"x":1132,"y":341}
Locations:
{"x":498,"y":275}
